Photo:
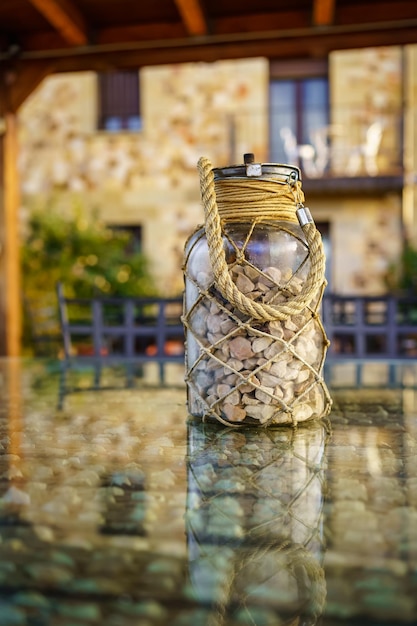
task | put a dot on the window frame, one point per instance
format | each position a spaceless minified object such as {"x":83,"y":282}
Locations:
{"x":118,"y":101}
{"x":297,"y":72}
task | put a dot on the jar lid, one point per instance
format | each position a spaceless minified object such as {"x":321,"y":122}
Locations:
{"x":280,"y":172}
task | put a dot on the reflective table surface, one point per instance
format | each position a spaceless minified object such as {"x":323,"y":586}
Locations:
{"x":116,"y":509}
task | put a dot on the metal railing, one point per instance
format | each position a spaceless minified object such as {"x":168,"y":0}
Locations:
{"x":109,"y":330}
{"x":352,"y":142}
{"x":371,"y":327}
{"x":134,"y":331}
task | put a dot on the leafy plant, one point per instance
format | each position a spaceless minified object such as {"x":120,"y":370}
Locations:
{"x":402,"y":276}
{"x":84,"y":254}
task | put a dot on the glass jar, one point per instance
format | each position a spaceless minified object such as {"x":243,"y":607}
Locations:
{"x":254,"y":522}
{"x":255,"y":344}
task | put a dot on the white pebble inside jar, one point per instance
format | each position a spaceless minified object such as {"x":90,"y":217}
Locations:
{"x":254,"y":372}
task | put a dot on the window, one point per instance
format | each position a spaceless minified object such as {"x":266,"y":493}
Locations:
{"x":119,"y":101}
{"x":299,"y":116}
{"x":135,"y":236}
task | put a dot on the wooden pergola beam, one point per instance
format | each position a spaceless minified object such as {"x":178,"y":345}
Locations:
{"x":66,"y":18}
{"x":323,"y":12}
{"x":307,"y":43}
{"x":23,"y":80}
{"x":10,"y":296}
{"x":16,"y":83}
{"x":192,"y":14}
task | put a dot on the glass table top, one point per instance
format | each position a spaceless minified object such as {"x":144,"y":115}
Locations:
{"x":116,"y":509}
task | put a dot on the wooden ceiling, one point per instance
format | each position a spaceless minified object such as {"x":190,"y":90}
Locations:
{"x":100,"y":34}
{"x":38,"y":37}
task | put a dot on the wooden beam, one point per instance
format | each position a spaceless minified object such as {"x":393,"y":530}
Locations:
{"x":10,"y":296}
{"x":278,"y":25}
{"x":16,"y":83}
{"x":258,"y":22}
{"x":192,"y":15}
{"x":66,"y":18}
{"x":384,"y":12}
{"x":305,"y":43}
{"x":141,"y":32}
{"x":3,"y":277}
{"x":323,"y":12}
{"x":42,"y":40}
{"x":23,"y":80}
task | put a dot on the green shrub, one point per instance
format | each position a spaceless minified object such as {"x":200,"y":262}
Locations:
{"x":85,"y":255}
{"x":402,"y":276}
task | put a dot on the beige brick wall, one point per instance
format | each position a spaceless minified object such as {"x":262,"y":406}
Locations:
{"x":150,"y":177}
{"x":410,"y":144}
{"x":365,"y":89}
{"x":366,"y":96}
{"x":365,"y":238}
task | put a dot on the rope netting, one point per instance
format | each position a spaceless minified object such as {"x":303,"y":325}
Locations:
{"x":255,"y":341}
{"x":254,"y":521}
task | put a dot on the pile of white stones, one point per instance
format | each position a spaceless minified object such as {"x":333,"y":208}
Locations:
{"x":264,"y":372}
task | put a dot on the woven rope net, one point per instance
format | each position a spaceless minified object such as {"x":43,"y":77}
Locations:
{"x":255,"y":522}
{"x":254,"y":281}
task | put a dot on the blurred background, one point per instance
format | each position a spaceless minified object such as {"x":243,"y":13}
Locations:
{"x":107,"y":107}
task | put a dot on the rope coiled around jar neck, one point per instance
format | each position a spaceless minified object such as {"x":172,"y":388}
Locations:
{"x":254,"y":199}
{"x":259,"y":201}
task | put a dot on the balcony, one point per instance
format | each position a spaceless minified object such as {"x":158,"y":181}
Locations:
{"x":357,"y":151}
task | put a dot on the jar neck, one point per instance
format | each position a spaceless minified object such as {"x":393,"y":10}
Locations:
{"x":248,"y":199}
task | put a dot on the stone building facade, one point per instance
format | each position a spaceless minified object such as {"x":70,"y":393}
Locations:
{"x":148,"y":178}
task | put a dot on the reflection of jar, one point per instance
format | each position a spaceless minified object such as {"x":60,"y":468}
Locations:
{"x":254,"y":280}
{"x":254,"y":522}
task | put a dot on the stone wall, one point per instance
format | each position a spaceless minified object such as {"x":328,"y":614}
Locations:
{"x":410,"y":144}
{"x":150,"y":178}
{"x":365,"y":237}
{"x":366,"y":96}
{"x":147,"y":178}
{"x":366,"y":104}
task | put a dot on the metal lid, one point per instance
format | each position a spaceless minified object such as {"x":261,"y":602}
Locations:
{"x":280,"y":172}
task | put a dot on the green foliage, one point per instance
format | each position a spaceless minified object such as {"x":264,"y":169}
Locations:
{"x":402,"y":276}
{"x":85,"y":255}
